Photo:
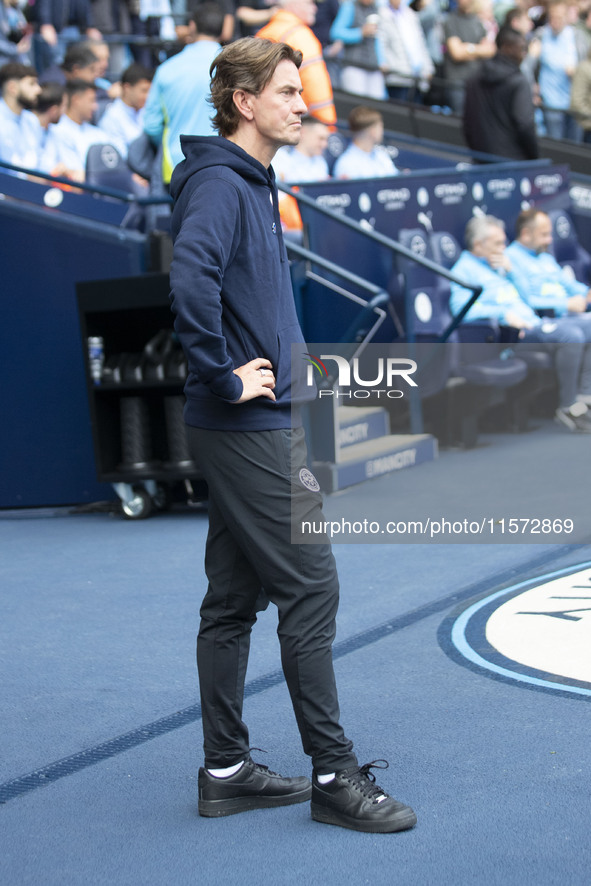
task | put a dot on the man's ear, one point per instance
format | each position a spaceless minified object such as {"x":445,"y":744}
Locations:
{"x":244,"y":103}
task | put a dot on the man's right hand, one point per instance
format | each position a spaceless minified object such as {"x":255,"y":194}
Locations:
{"x":512,"y":318}
{"x":254,"y":383}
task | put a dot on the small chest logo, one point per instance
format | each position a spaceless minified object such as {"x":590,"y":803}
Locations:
{"x":274,"y":228}
{"x":308,"y":480}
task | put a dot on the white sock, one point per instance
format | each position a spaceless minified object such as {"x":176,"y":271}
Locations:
{"x":226,"y":773}
{"x":324,"y":779}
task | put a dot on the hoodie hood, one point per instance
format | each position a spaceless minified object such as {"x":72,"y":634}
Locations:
{"x":204,"y":151}
{"x":495,"y":70}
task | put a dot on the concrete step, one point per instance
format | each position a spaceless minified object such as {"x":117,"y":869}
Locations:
{"x":359,"y":425}
{"x":364,"y":461}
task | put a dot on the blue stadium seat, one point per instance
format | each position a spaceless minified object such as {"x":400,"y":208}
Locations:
{"x":106,"y":167}
{"x":337,"y":142}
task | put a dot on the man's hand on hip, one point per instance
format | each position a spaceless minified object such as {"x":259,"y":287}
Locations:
{"x":257,"y":380}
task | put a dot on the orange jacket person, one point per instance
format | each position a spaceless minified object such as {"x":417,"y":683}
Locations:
{"x":291,"y":25}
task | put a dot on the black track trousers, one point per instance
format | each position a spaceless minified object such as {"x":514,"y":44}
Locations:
{"x":252,"y":479}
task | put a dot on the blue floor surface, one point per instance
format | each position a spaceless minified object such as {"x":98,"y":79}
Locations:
{"x":97,"y":644}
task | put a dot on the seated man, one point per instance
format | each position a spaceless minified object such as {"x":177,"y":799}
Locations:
{"x":124,"y":118}
{"x":485,"y":262}
{"x":19,"y":89}
{"x":80,"y":63}
{"x":303,"y":162}
{"x":366,"y":157}
{"x":69,"y":140}
{"x":547,"y":286}
{"x":49,"y":107}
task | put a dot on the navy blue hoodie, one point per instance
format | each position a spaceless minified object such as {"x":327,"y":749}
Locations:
{"x":231,"y":285}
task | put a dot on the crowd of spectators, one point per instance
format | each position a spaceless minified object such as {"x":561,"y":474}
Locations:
{"x":99,"y":67}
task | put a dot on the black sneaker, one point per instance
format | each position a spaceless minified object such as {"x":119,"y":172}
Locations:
{"x":252,"y":787}
{"x":353,"y":800}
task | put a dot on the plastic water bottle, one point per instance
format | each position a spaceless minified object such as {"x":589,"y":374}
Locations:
{"x":96,"y":357}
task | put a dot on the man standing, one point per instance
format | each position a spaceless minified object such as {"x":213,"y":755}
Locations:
{"x":236,"y":319}
{"x":558,"y":62}
{"x":499,"y":110}
{"x":177,"y":101}
{"x":292,"y":24}
{"x":485,"y":262}
{"x":466,"y":44}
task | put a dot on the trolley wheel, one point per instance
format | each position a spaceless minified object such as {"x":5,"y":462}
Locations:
{"x":162,"y":498}
{"x":139,"y":507}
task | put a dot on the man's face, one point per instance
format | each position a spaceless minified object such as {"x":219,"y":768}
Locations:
{"x":88,"y":73}
{"x":135,"y":95}
{"x":85,"y":104}
{"x":28,"y":91}
{"x":376,"y":132}
{"x":277,"y":111}
{"x":101,"y":50}
{"x":314,"y":139}
{"x":305,"y":10}
{"x":538,"y":236}
{"x":557,"y":17}
{"x":492,"y":247}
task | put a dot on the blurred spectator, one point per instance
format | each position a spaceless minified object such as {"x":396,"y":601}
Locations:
{"x":583,"y":32}
{"x":365,"y":157}
{"x":60,"y":22}
{"x":303,"y":162}
{"x":19,"y":88}
{"x":580,"y":97}
{"x":431,"y":16}
{"x":69,"y":140}
{"x":15,"y":41}
{"x":151,"y":19}
{"x":484,"y":9}
{"x":485,"y":262}
{"x":79,"y":63}
{"x":405,"y":57}
{"x":292,"y":24}
{"x":252,"y":16}
{"x":499,"y":110}
{"x":326,"y":12}
{"x":177,"y":102}
{"x":113,"y":17}
{"x":124,"y":118}
{"x":228,"y":27}
{"x":49,"y":107}
{"x":102,"y":52}
{"x":466,"y":44}
{"x":558,"y":60}
{"x":356,"y":26}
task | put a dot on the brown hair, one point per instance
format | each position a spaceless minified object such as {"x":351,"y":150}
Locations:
{"x":362,"y":117}
{"x":527,"y":219}
{"x":247,"y":64}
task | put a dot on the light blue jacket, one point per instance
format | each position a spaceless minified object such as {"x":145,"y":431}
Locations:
{"x":500,"y":292}
{"x":545,"y":284}
{"x":177,"y":102}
